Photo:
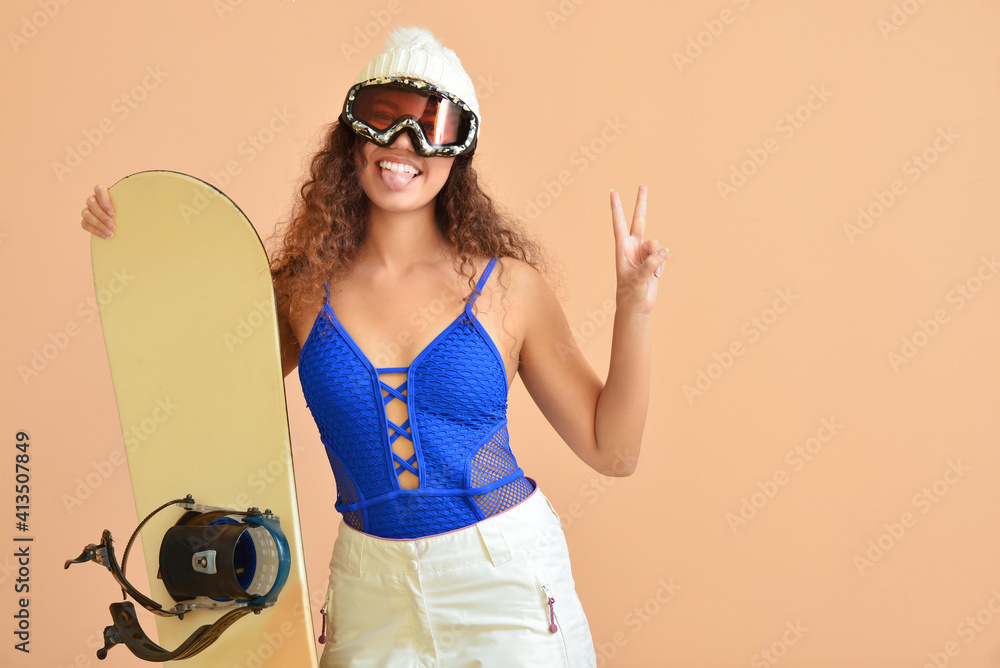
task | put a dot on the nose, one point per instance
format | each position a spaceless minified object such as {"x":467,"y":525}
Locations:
{"x":403,"y":142}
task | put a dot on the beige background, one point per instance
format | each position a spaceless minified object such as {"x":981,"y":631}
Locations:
{"x":834,"y":381}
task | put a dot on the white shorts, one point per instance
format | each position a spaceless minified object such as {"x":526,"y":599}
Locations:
{"x":484,"y":595}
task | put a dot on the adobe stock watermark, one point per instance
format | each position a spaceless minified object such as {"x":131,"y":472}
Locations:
{"x":93,"y":642}
{"x":914,"y":167}
{"x":561,"y":12}
{"x":923,"y":501}
{"x":420,"y":319}
{"x":92,"y":480}
{"x":274,"y":471}
{"x":252,"y":146}
{"x":32,"y":24}
{"x":245,"y":326}
{"x":202,"y":198}
{"x":267,"y":644}
{"x":636,"y":619}
{"x":88,"y":310}
{"x":591,"y":491}
{"x":121,"y":108}
{"x":967,"y":630}
{"x":786,"y":126}
{"x":796,"y":458}
{"x":485,"y":87}
{"x":224,"y":7}
{"x":278,"y":469}
{"x":777,"y":650}
{"x":364,"y":34}
{"x":455,"y":633}
{"x":698,"y":43}
{"x":134,"y":436}
{"x":926,"y":330}
{"x":580,"y":158}
{"x":137,"y":434}
{"x":752,"y":329}
{"x":7,"y":568}
{"x":582,"y":332}
{"x":899,"y":16}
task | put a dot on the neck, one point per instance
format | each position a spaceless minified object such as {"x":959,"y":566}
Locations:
{"x":397,"y":241}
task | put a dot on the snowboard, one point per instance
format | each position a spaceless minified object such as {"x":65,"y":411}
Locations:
{"x":193,"y":349}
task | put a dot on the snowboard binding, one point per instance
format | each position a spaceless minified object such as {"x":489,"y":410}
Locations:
{"x":212,"y":558}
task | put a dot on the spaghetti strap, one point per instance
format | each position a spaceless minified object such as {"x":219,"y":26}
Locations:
{"x":482,"y":280}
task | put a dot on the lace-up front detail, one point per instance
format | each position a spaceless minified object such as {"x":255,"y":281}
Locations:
{"x":443,"y":461}
{"x":398,"y":431}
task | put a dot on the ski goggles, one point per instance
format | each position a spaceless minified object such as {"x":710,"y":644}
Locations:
{"x":440,"y":123}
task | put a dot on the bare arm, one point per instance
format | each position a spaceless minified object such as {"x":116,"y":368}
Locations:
{"x":290,"y":346}
{"x":601,"y":422}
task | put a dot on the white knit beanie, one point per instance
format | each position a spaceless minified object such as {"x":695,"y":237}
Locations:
{"x":414,"y":53}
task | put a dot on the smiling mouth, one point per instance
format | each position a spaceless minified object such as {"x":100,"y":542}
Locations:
{"x":397,"y":175}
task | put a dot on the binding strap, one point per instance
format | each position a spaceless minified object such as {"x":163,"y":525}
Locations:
{"x":127,"y":631}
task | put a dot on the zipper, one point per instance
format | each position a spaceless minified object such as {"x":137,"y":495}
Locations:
{"x":550,"y":599}
{"x":322,"y":635}
{"x":324,"y":611}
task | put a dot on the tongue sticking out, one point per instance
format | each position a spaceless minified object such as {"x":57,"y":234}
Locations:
{"x":396,"y":180}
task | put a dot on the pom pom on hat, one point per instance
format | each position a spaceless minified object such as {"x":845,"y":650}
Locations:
{"x":414,"y":53}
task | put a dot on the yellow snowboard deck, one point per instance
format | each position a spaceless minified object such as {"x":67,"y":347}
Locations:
{"x":192,"y":343}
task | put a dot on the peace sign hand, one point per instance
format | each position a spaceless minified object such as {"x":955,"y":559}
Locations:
{"x":639,"y":263}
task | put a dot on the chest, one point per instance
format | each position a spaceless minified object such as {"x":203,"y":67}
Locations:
{"x":393,"y":327}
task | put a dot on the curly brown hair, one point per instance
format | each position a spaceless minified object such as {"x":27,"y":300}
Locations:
{"x":330,"y":221}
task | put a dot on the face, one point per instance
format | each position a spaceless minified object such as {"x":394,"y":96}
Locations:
{"x":397,"y":179}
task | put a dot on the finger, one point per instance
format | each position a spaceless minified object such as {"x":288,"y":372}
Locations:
{"x":94,"y":231}
{"x":654,"y":248}
{"x":652,"y":264}
{"x":639,"y":215}
{"x":104,"y":199}
{"x":651,"y":246}
{"x":99,"y":212}
{"x":662,"y":254}
{"x":94,"y":225}
{"x":618,"y":217}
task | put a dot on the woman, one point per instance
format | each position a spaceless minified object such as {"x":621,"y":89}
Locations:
{"x":409,"y":303}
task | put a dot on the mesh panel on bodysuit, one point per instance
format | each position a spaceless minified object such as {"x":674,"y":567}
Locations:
{"x":494,"y":461}
{"x":346,"y":494}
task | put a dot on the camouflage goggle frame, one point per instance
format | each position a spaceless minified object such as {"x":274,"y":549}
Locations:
{"x":452,"y":131}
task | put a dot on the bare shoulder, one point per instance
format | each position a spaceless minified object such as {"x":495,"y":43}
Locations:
{"x":532,"y":308}
{"x":529,"y":293}
{"x":522,"y":280}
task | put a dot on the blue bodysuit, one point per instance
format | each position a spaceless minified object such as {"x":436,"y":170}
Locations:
{"x":455,"y":394}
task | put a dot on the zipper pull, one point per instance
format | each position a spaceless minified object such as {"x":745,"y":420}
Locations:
{"x":552,"y":610}
{"x":322,"y":636}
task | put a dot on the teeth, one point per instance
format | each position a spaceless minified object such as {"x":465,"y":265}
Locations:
{"x":397,"y":167}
